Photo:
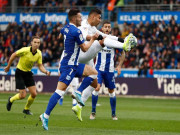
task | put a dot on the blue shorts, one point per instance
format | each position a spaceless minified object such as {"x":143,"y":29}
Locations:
{"x":108,"y":78}
{"x":69,"y":72}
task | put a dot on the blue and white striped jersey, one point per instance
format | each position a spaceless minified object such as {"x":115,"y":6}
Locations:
{"x":72,"y":39}
{"x":105,"y":59}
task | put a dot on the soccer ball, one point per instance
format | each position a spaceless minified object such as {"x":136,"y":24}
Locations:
{"x":132,"y":41}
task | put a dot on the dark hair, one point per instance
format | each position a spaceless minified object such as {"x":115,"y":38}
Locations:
{"x":96,"y":11}
{"x":106,"y":22}
{"x":72,"y":13}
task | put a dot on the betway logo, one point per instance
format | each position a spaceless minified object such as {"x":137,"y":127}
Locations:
{"x":10,"y":85}
{"x":55,"y":18}
{"x":30,"y":18}
{"x":9,"y":18}
{"x":169,"y":88}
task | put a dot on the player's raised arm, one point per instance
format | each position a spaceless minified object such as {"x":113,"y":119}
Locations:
{"x":85,"y":47}
{"x":13,"y":56}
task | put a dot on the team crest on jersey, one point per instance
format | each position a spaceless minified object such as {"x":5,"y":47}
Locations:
{"x":68,"y":77}
{"x":81,"y":37}
{"x":79,"y":31}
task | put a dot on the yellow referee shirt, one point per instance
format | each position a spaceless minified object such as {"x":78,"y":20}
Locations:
{"x":27,"y":58}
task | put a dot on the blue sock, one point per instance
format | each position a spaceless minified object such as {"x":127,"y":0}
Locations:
{"x":52,"y":103}
{"x":94,"y":102}
{"x":85,"y":83}
{"x":113,"y":105}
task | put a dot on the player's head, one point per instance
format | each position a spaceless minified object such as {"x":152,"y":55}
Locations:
{"x":75,"y":17}
{"x":35,"y":43}
{"x":106,"y":27}
{"x":94,"y":17}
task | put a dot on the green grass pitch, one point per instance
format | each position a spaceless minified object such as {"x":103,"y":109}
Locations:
{"x":137,"y":116}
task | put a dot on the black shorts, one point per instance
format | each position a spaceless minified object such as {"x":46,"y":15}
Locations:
{"x":24,"y":79}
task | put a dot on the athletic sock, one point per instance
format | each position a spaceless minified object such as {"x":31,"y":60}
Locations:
{"x":14,"y":98}
{"x":86,"y":82}
{"x":86,"y":93}
{"x":53,"y":101}
{"x":113,"y":105}
{"x":94,"y":100}
{"x":29,"y":102}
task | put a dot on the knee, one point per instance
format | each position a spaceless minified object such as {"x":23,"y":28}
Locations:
{"x":111,"y":90}
{"x":33,"y":94}
{"x":98,"y":87}
{"x":94,"y":83}
{"x":22,"y":95}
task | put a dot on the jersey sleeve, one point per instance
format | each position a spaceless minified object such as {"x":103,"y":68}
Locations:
{"x":39,"y":61}
{"x":79,"y":37}
{"x":21,"y":51}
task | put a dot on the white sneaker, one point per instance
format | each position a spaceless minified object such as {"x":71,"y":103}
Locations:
{"x":92,"y":116}
{"x":114,"y":118}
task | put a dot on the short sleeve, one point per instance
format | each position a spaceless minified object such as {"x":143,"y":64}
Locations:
{"x":79,"y":37}
{"x":21,"y":51}
{"x":39,"y":61}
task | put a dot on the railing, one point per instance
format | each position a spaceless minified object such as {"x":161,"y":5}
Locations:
{"x":125,"y":8}
{"x":149,"y":7}
{"x":48,"y":9}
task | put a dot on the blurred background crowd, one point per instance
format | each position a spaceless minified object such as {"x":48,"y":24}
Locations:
{"x":158,"y":43}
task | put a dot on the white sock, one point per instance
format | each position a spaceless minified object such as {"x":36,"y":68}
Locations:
{"x":112,"y":94}
{"x":86,"y":93}
{"x":75,"y":83}
{"x":95,"y":93}
{"x":46,"y":116}
{"x":67,"y":89}
{"x":60,"y":92}
{"x":74,"y":101}
{"x":91,"y":53}
{"x":113,"y":43}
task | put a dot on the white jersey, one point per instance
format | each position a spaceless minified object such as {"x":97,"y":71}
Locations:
{"x":105,"y":60}
{"x":87,"y":29}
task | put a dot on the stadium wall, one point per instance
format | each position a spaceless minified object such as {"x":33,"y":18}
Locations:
{"x":124,"y":86}
{"x":126,"y":73}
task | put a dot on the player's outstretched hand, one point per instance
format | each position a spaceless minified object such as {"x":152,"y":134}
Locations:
{"x":6,"y":69}
{"x":95,"y":36}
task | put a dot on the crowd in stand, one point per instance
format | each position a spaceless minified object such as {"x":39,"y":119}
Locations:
{"x":92,"y":2}
{"x":158,"y":43}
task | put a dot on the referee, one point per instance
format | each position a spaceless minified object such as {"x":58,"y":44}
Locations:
{"x":23,"y":75}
